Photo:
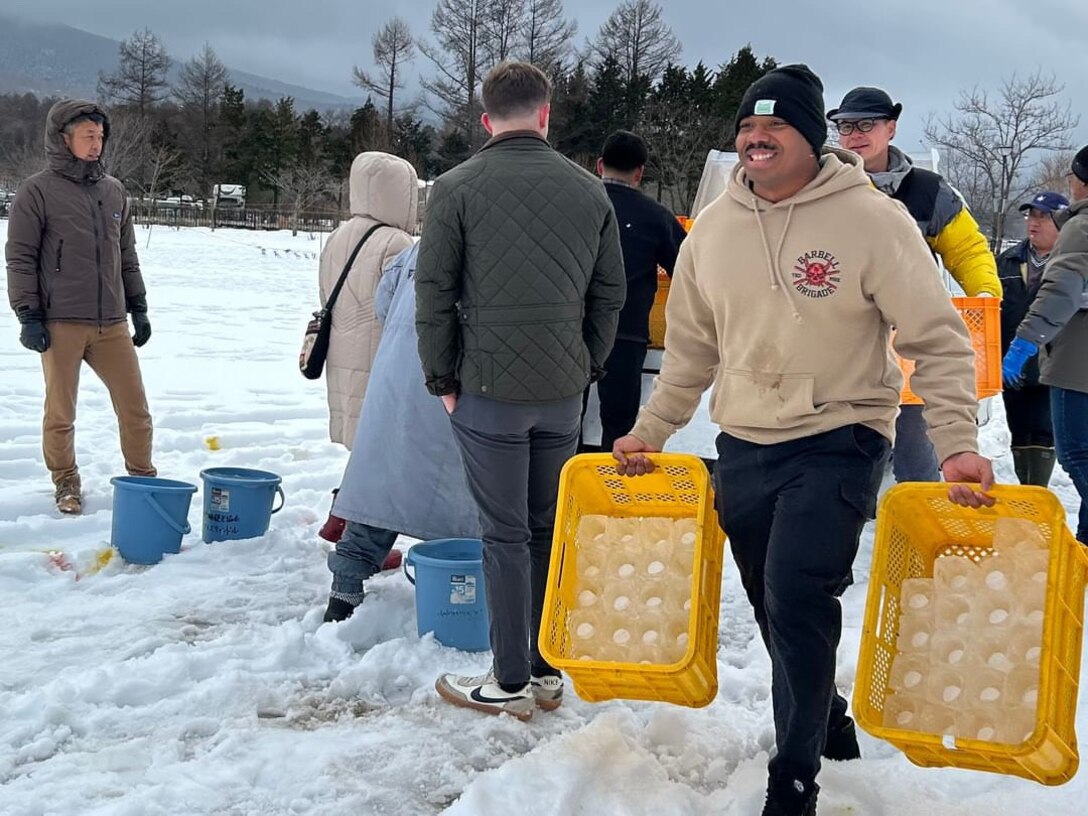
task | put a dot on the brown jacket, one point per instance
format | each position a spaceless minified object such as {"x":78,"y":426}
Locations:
{"x":786,"y":310}
{"x":71,"y":249}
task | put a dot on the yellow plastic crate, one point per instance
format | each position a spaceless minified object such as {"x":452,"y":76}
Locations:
{"x":982,"y":316}
{"x":916,"y":525}
{"x":679,"y":487}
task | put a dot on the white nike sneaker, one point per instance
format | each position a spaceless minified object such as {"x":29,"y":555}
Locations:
{"x":547,"y":691}
{"x":483,"y":693}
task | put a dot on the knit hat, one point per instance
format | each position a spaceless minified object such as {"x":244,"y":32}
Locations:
{"x":792,"y":93}
{"x":1080,"y":164}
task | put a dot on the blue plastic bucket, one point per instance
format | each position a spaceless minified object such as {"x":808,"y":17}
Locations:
{"x":238,"y":502}
{"x":450,"y":600}
{"x":150,"y":516}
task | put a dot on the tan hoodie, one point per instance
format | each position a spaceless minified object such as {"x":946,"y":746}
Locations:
{"x":383,"y":190}
{"x":786,"y":309}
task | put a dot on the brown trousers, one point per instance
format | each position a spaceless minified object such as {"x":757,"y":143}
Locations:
{"x":109,"y":352}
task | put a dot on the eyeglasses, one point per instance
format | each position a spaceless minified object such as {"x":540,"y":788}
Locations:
{"x":860,"y":125}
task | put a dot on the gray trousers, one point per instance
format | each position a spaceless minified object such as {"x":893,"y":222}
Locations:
{"x":513,"y":453}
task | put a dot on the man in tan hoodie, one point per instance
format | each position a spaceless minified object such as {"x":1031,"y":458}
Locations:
{"x":783,"y":299}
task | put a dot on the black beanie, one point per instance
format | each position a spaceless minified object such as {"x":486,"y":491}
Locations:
{"x":1080,"y":164}
{"x":792,"y":93}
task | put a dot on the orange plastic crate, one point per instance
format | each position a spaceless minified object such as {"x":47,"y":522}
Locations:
{"x":916,"y":525}
{"x":657,"y":312}
{"x":679,"y":487}
{"x":983,"y":318}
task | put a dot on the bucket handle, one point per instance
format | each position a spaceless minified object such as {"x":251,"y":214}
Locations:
{"x":173,"y":525}
{"x":408,"y":561}
{"x":283,"y":501}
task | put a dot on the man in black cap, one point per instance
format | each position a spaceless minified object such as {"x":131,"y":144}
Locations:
{"x":866,"y":121}
{"x":1027,"y":408}
{"x":783,"y":301}
{"x":1056,"y":329}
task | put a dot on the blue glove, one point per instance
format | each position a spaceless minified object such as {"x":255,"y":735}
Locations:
{"x":1012,"y":367}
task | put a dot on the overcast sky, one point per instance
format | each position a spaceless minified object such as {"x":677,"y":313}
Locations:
{"x":922,"y":52}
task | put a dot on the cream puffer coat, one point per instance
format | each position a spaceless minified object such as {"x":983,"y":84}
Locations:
{"x":383,"y":190}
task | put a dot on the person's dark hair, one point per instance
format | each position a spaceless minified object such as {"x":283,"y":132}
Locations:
{"x":624,"y":151}
{"x":71,"y":124}
{"x":515,"y":89}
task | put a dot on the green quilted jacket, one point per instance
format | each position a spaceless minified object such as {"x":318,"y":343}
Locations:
{"x":520,"y":279}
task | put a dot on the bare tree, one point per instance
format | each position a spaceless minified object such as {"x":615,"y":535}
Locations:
{"x":128,"y":146}
{"x":202,"y":80}
{"x":640,"y":40}
{"x":546,"y":34}
{"x":393,"y":46}
{"x":301,"y":187}
{"x":18,"y":163}
{"x":140,"y":79}
{"x":995,"y":138}
{"x":1052,"y":172}
{"x":503,"y":21}
{"x":459,"y":28}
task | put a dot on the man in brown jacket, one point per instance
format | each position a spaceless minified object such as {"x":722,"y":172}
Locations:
{"x":783,"y":299}
{"x":73,"y":277}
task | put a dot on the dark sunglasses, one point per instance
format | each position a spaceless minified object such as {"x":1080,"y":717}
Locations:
{"x":860,"y":125}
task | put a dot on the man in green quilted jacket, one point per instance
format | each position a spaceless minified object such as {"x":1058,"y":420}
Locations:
{"x":519,"y":285}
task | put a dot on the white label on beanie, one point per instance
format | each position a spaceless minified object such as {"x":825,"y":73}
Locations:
{"x":765,"y":107}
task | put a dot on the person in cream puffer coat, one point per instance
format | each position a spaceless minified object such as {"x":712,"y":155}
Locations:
{"x":383,"y":191}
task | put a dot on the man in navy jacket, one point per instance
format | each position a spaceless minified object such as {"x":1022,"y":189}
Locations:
{"x":650,"y":237}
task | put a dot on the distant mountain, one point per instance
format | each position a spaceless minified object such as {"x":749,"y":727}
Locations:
{"x":49,"y":59}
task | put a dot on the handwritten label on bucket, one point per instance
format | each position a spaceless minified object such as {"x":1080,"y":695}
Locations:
{"x":462,"y":589}
{"x":220,"y":499}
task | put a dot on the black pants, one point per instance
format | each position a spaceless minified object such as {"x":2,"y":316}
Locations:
{"x":794,"y":512}
{"x":1027,"y":412}
{"x":620,"y":390}
{"x":513,"y":454}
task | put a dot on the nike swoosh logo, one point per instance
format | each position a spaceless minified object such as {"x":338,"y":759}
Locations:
{"x":480,"y":698}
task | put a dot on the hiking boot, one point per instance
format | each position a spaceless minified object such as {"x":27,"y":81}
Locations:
{"x":547,"y":691}
{"x":842,"y":741}
{"x":790,"y":797}
{"x":69,"y":497}
{"x":484,"y":693}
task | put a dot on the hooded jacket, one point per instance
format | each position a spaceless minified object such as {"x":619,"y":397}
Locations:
{"x":786,"y":309}
{"x":71,"y":248}
{"x":383,"y":191}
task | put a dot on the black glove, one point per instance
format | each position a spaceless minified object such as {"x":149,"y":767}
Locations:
{"x":140,"y":324}
{"x":142,"y":328}
{"x":33,"y":334}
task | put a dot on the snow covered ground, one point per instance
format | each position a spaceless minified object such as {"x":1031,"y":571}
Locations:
{"x":208,"y":685}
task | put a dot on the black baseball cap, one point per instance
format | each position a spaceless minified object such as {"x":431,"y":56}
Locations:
{"x":865,"y":103}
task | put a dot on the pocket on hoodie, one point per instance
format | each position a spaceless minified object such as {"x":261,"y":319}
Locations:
{"x":751,"y":399}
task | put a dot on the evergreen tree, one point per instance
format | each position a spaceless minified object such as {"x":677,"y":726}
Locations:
{"x":732,"y":81}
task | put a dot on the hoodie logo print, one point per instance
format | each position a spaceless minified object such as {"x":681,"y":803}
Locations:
{"x":816,"y":274}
